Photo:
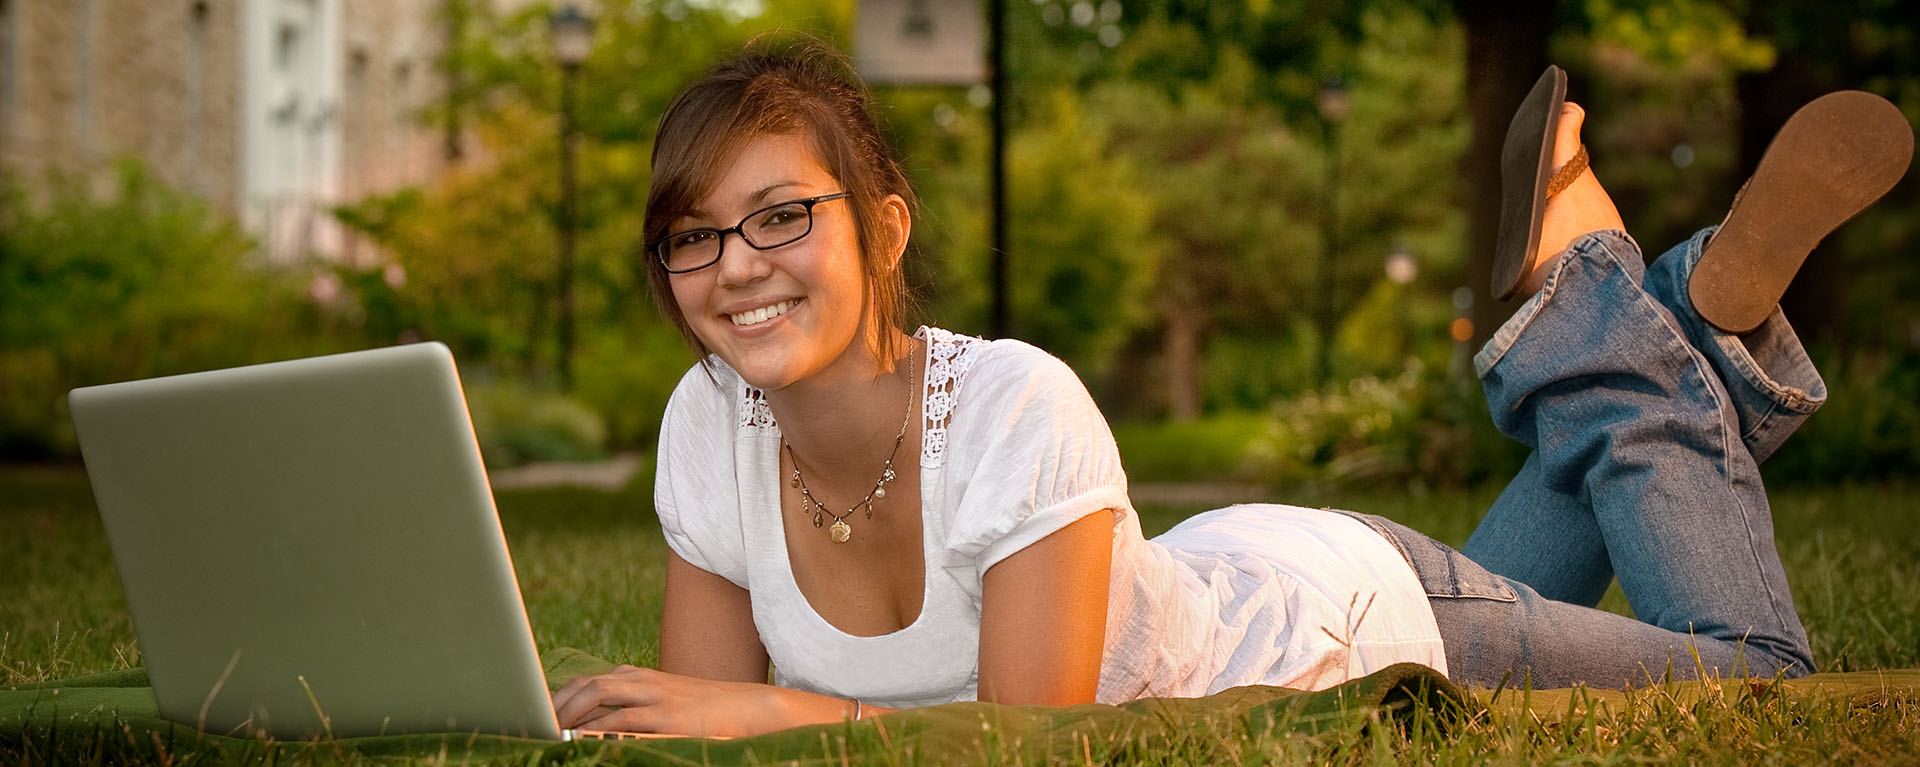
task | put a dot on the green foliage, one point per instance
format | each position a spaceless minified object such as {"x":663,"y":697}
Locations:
{"x":137,"y":280}
{"x":1867,"y":429}
{"x":1088,"y":250}
{"x":1242,"y":184}
{"x":1210,"y":449}
{"x":627,"y":375}
{"x":1676,"y":34}
{"x":479,"y":247}
{"x":1413,"y":430}
{"x":517,"y":424}
{"x":1366,"y":433}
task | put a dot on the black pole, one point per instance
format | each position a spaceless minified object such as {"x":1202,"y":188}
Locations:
{"x":567,"y":195}
{"x":1002,"y":318}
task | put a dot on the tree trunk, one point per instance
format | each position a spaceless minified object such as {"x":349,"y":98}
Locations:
{"x":1506,"y":52}
{"x":1182,"y":355}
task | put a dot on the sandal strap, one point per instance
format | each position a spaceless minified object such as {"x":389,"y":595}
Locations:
{"x":1564,"y":177}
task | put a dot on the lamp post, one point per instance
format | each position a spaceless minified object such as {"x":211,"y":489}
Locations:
{"x":1333,"y":108}
{"x":572,"y":39}
{"x":1401,"y":270}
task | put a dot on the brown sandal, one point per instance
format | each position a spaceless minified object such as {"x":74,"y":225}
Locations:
{"x":1525,"y":183}
{"x":1832,"y":159}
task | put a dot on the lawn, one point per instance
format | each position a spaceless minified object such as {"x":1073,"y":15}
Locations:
{"x":589,"y":565}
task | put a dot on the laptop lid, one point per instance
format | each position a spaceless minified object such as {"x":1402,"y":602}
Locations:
{"x":311,"y":548}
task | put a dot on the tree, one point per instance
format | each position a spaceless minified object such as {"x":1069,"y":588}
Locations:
{"x":1506,"y":52}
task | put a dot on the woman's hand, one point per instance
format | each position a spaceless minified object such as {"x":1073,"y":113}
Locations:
{"x":634,"y":699}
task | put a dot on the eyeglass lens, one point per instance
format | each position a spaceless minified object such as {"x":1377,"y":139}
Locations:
{"x":766,"y":228}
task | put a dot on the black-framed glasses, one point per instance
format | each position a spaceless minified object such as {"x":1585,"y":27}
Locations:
{"x":770,"y":227}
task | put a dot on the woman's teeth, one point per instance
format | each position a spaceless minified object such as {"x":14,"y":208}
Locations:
{"x":762,"y":314}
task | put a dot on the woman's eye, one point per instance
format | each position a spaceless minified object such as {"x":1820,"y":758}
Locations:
{"x":783,"y":216}
{"x":693,"y":238}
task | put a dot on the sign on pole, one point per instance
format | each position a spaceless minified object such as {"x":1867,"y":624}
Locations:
{"x":905,"y":42}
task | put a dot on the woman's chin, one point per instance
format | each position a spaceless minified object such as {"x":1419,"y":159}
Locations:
{"x":760,"y":371}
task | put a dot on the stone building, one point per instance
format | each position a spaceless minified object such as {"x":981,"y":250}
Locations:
{"x":272,"y":110}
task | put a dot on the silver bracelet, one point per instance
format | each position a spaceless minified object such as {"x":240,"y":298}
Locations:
{"x":856,"y":708}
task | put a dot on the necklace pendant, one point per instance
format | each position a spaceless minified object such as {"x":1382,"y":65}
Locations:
{"x":840,"y":532}
{"x":879,"y":491}
{"x":816,"y":519}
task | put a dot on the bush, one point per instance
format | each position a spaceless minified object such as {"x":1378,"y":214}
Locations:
{"x":1415,"y":429}
{"x":137,"y":282}
{"x":517,"y":424}
{"x":1210,"y":449}
{"x":1865,"y":431}
{"x":626,"y":376}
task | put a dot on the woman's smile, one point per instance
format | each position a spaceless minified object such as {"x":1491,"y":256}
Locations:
{"x":761,"y":315}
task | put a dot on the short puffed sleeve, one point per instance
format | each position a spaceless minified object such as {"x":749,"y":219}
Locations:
{"x":1028,"y":453}
{"x":695,"y":486}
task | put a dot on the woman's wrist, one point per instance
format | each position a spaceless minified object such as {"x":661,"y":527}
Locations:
{"x":799,"y":707}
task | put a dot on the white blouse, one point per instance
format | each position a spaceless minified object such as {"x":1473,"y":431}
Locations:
{"x":1012,"y":450}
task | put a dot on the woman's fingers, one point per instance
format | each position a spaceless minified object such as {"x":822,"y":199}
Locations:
{"x":588,"y":698}
{"x":632,"y":719}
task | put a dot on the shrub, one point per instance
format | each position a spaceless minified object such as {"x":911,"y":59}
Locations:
{"x":1209,"y":449}
{"x":517,"y":424}
{"x":1865,"y":431}
{"x":1414,"y":429}
{"x":140,"y":281}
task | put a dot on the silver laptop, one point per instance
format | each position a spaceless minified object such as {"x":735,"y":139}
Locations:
{"x":310,"y":548}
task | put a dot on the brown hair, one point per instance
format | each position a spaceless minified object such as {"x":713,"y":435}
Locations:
{"x":799,"y":87}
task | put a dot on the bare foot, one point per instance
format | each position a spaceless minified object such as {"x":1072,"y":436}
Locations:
{"x":1578,"y":210}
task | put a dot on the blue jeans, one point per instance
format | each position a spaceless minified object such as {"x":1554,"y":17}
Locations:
{"x":1647,"y":427}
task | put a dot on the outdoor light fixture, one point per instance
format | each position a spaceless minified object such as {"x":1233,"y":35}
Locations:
{"x":1333,"y":100}
{"x":572,"y":40}
{"x":572,"y":32}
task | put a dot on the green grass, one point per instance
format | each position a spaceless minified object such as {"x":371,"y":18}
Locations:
{"x":589,"y":565}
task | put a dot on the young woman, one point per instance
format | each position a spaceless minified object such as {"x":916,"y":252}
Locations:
{"x":897,"y":519}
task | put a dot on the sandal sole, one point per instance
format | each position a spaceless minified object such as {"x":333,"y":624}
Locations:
{"x":1832,"y":159}
{"x":1526,"y":163}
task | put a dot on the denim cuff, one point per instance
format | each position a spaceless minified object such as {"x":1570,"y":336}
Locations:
{"x":1613,"y":243}
{"x":1768,"y":375}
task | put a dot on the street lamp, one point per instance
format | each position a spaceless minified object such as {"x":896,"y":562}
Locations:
{"x":572,"y":40}
{"x":1333,"y":108}
{"x":1401,"y":270}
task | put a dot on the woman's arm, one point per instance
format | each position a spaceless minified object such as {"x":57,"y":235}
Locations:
{"x":1043,"y":617}
{"x":712,"y":677}
{"x":706,"y":627}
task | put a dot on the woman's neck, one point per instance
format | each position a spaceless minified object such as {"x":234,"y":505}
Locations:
{"x":845,"y":418}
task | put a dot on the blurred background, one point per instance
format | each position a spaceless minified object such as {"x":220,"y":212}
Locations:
{"x":1259,"y":229}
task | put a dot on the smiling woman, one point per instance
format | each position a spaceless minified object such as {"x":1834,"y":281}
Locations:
{"x":982,"y":544}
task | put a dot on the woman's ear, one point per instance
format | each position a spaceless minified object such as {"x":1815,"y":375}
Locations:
{"x":898,"y":222}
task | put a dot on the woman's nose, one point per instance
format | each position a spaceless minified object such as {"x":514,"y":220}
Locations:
{"x":741,"y":263}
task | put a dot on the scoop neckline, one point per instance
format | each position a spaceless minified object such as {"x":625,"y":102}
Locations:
{"x":788,"y":580}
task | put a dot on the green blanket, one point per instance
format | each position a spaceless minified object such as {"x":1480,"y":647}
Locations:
{"x":111,"y":717}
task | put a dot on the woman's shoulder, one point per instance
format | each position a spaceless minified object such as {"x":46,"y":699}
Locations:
{"x":990,"y":390}
{"x":709,"y":396}
{"x":957,"y":362}
{"x":706,"y":382}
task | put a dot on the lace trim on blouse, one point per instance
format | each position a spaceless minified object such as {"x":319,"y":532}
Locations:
{"x":948,"y":360}
{"x":755,"y":416}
